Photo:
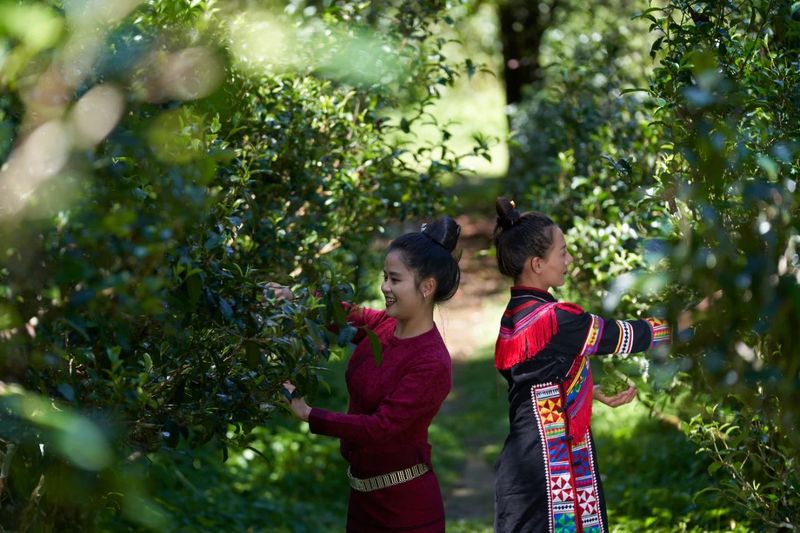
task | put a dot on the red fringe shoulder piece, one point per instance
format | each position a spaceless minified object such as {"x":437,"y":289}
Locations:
{"x":526,"y":328}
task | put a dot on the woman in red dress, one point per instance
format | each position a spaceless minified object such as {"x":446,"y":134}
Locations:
{"x":384,"y":434}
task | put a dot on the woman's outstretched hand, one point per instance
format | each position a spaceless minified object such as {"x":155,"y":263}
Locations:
{"x":616,"y":400}
{"x":299,"y":407}
{"x":686,"y":318}
{"x":281,"y":291}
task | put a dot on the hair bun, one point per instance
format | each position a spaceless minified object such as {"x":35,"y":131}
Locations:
{"x":507,"y":212}
{"x":443,"y":231}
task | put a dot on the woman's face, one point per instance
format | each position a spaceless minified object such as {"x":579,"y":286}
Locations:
{"x":553,"y":268}
{"x":399,"y":287}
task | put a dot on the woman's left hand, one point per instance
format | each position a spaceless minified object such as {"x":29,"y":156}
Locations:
{"x":281,"y":292}
{"x":616,"y":400}
{"x":686,"y":317}
{"x":299,"y":407}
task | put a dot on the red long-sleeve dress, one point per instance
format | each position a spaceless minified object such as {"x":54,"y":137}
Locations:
{"x":385,"y":429}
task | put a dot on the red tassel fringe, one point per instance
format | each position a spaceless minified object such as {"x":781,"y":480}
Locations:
{"x":527,"y":344}
{"x":579,"y":422}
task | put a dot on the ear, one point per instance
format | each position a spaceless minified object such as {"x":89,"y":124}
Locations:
{"x":428,"y":287}
{"x":536,"y":264}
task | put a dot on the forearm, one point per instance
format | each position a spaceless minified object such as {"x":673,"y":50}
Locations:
{"x":360,"y":429}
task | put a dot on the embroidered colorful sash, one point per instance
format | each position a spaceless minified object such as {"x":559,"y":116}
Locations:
{"x":573,"y":497}
{"x":578,"y":390}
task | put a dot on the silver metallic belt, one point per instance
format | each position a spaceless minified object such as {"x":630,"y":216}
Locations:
{"x":387,"y":480}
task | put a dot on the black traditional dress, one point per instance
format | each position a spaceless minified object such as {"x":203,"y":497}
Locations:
{"x":547,"y":477}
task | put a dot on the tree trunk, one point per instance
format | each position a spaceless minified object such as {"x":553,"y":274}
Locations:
{"x":521,"y":28}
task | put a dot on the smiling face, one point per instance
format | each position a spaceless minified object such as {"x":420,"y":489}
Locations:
{"x":404,"y":297}
{"x":552,"y":269}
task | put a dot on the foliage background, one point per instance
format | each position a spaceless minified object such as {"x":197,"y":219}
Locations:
{"x":244,"y":142}
{"x":183,"y":159}
{"x":692,"y":176}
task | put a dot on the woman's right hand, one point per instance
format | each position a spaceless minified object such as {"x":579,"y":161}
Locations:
{"x":614,"y":400}
{"x":299,"y":407}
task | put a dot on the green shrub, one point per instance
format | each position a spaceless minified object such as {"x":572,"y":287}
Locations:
{"x":165,"y":164}
{"x":696,"y":182}
{"x":727,"y":87}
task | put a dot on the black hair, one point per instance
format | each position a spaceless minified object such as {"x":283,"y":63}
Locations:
{"x":520,"y":236}
{"x":429,"y":254}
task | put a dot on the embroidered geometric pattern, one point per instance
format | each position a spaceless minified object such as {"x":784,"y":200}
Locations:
{"x":558,"y":453}
{"x":561,"y":494}
{"x":662,"y":333}
{"x":594,"y":335}
{"x":580,"y":455}
{"x":561,"y":488}
{"x":565,"y":524}
{"x":625,"y":343}
{"x":572,"y":497}
{"x":550,"y":411}
{"x":586,"y":487}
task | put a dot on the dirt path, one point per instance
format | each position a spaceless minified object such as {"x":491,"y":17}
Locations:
{"x":468,"y":323}
{"x":465,"y":321}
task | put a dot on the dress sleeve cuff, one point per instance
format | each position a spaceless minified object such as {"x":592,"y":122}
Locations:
{"x":319,"y":421}
{"x":661,"y":332}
